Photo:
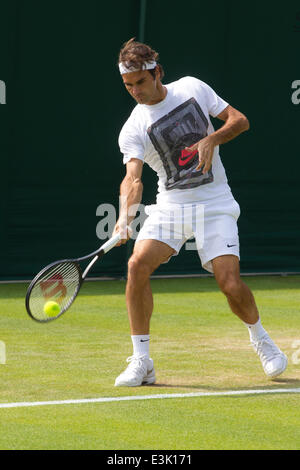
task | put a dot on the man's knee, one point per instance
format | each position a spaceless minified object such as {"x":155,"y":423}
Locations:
{"x":138,"y":269}
{"x":231,"y":286}
{"x":227,"y":274}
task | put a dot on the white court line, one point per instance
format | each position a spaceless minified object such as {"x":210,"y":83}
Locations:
{"x":149,"y":397}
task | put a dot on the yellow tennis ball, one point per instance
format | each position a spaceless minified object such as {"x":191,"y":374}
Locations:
{"x":51,"y":308}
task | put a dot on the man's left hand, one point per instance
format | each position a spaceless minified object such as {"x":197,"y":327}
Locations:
{"x":205,"y":149}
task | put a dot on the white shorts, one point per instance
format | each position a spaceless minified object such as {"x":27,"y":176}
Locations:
{"x":213,"y":226}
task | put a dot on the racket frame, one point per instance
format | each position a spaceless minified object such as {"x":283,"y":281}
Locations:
{"x":95,"y":255}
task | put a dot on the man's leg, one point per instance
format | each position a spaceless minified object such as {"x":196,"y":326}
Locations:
{"x":147,"y":256}
{"x":240,"y":298}
{"x":241,"y":301}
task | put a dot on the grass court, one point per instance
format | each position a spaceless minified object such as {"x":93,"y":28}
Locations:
{"x":198,"y":346}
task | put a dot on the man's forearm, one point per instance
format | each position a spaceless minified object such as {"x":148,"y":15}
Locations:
{"x":131,"y":191}
{"x":231,"y":129}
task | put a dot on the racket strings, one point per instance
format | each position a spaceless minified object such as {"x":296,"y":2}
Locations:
{"x":59,"y":284}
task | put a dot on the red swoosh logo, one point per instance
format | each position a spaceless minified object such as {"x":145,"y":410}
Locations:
{"x":186,"y":156}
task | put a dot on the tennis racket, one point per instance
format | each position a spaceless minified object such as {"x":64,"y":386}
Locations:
{"x":60,"y":282}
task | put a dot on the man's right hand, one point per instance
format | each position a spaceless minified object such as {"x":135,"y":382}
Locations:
{"x":124,"y":230}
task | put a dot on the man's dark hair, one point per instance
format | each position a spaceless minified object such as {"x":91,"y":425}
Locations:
{"x":135,"y":54}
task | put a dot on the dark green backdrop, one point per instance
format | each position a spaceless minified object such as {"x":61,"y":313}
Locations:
{"x":66,"y":105}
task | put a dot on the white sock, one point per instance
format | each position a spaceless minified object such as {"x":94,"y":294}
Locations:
{"x":256,"y":331}
{"x":141,"y":345}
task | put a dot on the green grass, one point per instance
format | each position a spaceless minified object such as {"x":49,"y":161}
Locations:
{"x":197,"y":345}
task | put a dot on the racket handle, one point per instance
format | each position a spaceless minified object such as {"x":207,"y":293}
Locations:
{"x":111,"y":243}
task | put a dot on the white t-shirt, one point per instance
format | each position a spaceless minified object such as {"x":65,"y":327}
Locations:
{"x":158,"y":135}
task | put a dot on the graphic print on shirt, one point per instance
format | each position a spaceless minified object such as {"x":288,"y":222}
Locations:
{"x":182,"y":127}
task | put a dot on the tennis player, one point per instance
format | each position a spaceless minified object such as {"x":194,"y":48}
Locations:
{"x":170,"y":130}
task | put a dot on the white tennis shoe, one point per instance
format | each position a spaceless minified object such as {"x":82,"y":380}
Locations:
{"x":273,"y":360}
{"x":139,"y":371}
